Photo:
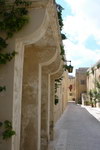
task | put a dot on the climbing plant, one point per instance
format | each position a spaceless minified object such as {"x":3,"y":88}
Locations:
{"x":95,"y":93}
{"x":57,"y":84}
{"x":13,"y":17}
{"x":90,"y":93}
{"x":56,"y":99}
{"x":6,"y":130}
{"x":59,"y":11}
{"x":60,"y":19}
{"x":63,"y":36}
{"x":62,"y":53}
{"x":98,"y":65}
{"x":59,"y":80}
{"x":2,"y":88}
{"x":92,"y":70}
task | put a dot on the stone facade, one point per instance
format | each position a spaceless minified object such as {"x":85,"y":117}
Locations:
{"x":93,"y":75}
{"x":62,"y":93}
{"x":81,"y":86}
{"x":30,"y":80}
{"x":64,"y":90}
{"x":71,"y":88}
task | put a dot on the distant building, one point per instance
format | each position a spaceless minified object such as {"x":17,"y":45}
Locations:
{"x":71,"y":88}
{"x":80,"y":80}
{"x":93,"y":75}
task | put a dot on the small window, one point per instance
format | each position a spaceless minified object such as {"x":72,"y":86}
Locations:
{"x":70,"y":94}
{"x":83,"y":82}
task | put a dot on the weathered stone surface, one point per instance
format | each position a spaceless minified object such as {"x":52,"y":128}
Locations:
{"x":27,"y":101}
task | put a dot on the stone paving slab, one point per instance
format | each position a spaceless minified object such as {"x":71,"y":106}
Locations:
{"x":76,"y":130}
{"x":60,"y":139}
{"x":93,"y":111}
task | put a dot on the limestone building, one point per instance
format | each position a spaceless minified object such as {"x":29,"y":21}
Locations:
{"x":80,"y":80}
{"x":28,"y":101}
{"x":93,"y":87}
{"x":71,"y":88}
{"x":93,"y":75}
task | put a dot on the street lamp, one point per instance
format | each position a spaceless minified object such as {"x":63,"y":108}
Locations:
{"x":68,"y":67}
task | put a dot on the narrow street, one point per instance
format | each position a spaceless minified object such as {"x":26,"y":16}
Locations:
{"x":77,"y":130}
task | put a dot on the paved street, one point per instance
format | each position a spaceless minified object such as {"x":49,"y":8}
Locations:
{"x":77,"y":130}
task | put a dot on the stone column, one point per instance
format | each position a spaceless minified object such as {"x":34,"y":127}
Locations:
{"x":55,"y":75}
{"x":44,"y":110}
{"x":30,"y":102}
{"x":52,"y":97}
{"x":47,"y":69}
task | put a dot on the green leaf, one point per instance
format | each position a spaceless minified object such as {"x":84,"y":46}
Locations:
{"x":2,"y":88}
{"x":1,"y":124}
{"x":7,"y":124}
{"x":8,"y":134}
{"x":3,"y":43}
{"x":4,"y":58}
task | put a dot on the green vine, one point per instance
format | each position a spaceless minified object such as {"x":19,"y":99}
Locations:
{"x":13,"y":17}
{"x":60,"y":19}
{"x":2,"y":88}
{"x":7,"y":131}
{"x":3,"y":43}
{"x":63,"y":36}
{"x":62,"y":50}
{"x":4,"y":58}
{"x":92,"y":70}
{"x":62,"y":53}
{"x":57,"y":84}
{"x":59,"y":80}
{"x":59,"y":10}
{"x":98,"y":65}
{"x":56,"y":99}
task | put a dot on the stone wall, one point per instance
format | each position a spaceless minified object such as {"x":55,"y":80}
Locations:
{"x":29,"y":99}
{"x":71,"y":88}
{"x":62,"y":94}
{"x":81,"y":86}
{"x":93,"y":76}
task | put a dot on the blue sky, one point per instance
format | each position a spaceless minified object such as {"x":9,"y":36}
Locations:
{"x":82,"y":27}
{"x":91,"y":43}
{"x":67,"y":9}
